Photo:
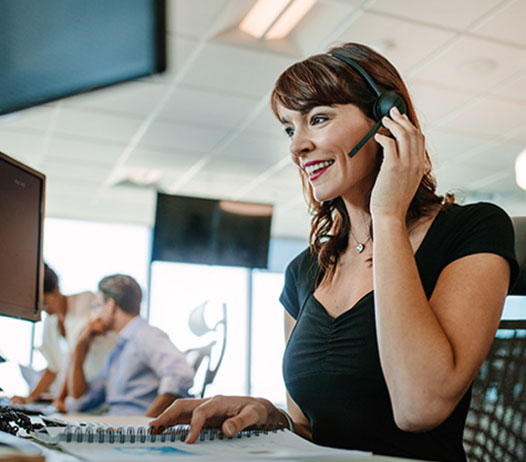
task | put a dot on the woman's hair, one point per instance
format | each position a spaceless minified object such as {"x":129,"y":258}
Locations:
{"x":325,"y":80}
{"x":50,"y":280}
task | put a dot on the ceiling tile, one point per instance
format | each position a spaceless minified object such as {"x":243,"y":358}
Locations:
{"x":434,"y":101}
{"x":195,"y":17}
{"x":514,"y":90}
{"x":508,"y":24}
{"x":403,"y":50}
{"x":265,"y":149}
{"x":265,"y":123}
{"x":207,"y":108}
{"x":69,"y":169}
{"x":490,"y":116}
{"x":320,"y":23}
{"x":35,"y":118}
{"x":104,"y":153}
{"x":24,"y":146}
{"x":446,"y":146}
{"x":232,"y":69}
{"x":137,"y":98}
{"x":178,"y":136}
{"x":456,"y":15}
{"x":459,"y":65}
{"x":163,"y":159}
{"x":96,"y":125}
{"x":496,"y":157}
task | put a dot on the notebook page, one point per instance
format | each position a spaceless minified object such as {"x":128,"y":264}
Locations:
{"x":281,"y":445}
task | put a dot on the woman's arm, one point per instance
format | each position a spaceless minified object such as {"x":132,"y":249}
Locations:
{"x":48,"y":377}
{"x":430,"y":350}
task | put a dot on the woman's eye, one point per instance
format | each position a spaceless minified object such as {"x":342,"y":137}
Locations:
{"x":318,"y":119}
{"x":289,"y":131}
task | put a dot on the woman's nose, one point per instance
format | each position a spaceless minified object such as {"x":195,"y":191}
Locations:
{"x":300,"y":146}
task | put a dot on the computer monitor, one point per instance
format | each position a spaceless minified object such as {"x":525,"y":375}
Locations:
{"x":211,"y":231}
{"x":54,"y":48}
{"x":21,"y":228}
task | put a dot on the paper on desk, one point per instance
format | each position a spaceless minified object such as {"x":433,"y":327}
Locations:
{"x":282,"y":445}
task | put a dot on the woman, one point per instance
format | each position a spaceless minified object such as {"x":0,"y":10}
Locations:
{"x":387,"y":333}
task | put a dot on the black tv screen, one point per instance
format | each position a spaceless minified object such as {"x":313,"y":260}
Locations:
{"x":21,"y":222}
{"x":55,"y":48}
{"x":213,"y":232}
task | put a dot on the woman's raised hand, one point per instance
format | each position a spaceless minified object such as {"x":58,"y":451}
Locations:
{"x":402,"y":169}
{"x":232,"y":413}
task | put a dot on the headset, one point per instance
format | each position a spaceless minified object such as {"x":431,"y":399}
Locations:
{"x":383,"y":103}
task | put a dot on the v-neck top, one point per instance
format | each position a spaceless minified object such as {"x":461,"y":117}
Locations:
{"x":332,"y":367}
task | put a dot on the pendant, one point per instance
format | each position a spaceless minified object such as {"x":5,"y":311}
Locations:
{"x":359,"y":248}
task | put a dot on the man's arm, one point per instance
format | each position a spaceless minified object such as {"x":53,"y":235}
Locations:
{"x":78,"y":384}
{"x":170,"y":365}
{"x":160,"y":404}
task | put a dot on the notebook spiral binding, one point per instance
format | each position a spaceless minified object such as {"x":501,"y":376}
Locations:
{"x":76,"y":434}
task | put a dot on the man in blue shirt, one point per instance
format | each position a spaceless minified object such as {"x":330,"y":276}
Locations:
{"x":144,"y":373}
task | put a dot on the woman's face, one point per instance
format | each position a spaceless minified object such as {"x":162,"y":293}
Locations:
{"x":320,"y":141}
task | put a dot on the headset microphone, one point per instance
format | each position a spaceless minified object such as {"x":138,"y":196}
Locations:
{"x":383,"y":103}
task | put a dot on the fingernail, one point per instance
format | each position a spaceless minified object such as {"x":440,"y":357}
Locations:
{"x":395,"y":110}
{"x":230,"y":429}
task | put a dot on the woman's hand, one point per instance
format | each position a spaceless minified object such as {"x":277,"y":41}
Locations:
{"x":402,"y":167}
{"x":232,"y":413}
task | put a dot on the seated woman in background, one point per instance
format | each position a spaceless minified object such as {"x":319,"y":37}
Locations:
{"x":394,"y":305}
{"x":68,"y":315}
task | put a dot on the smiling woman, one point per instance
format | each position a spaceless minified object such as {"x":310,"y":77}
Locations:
{"x":393,"y":307}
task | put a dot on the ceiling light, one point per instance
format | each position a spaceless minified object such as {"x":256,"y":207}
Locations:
{"x":274,"y":19}
{"x":288,"y":20}
{"x":143,"y":176}
{"x":520,"y":169}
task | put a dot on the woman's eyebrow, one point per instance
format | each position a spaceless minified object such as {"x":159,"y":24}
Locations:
{"x":283,"y":120}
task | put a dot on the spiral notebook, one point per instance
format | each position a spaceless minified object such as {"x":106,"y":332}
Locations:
{"x":106,"y":443}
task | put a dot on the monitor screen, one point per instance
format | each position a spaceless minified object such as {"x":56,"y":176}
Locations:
{"x":55,"y":48}
{"x":213,"y":232}
{"x":21,"y":223}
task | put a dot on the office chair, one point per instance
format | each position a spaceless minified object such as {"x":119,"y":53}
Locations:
{"x":496,"y":423}
{"x":200,"y":358}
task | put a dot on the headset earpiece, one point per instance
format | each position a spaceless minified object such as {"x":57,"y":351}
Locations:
{"x":382,"y":105}
{"x":385,"y":102}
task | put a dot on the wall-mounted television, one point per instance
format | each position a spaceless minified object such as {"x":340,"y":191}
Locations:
{"x":21,"y":225}
{"x":211,"y":231}
{"x":54,"y":48}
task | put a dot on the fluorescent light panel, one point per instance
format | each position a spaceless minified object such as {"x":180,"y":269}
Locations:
{"x":289,"y":19}
{"x":274,"y":19}
{"x":520,"y":169}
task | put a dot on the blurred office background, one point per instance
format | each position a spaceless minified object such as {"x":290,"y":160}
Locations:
{"x":204,"y":128}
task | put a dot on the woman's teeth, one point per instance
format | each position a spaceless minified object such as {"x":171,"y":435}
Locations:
{"x":310,"y":169}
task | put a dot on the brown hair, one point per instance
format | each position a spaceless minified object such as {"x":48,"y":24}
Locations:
{"x":325,"y":80}
{"x":124,"y":290}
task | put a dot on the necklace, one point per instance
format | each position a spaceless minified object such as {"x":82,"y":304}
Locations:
{"x":360,"y":246}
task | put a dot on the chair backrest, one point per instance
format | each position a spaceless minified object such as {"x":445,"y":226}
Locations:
{"x":496,"y":424}
{"x":519,"y":224}
{"x":201,"y":357}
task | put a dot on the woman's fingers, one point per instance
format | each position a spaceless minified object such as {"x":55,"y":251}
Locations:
{"x":251,"y":414}
{"x":233,"y":413}
{"x":180,"y":412}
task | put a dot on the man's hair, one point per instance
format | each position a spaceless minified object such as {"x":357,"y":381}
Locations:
{"x":50,"y":279}
{"x":124,"y":290}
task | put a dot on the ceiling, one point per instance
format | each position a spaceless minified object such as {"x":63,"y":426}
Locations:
{"x":206,"y":128}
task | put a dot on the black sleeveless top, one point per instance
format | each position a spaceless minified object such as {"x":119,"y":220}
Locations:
{"x":332,"y":366}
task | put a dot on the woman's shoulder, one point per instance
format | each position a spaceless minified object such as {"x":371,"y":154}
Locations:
{"x":302,"y":262}
{"x":474,"y":215}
